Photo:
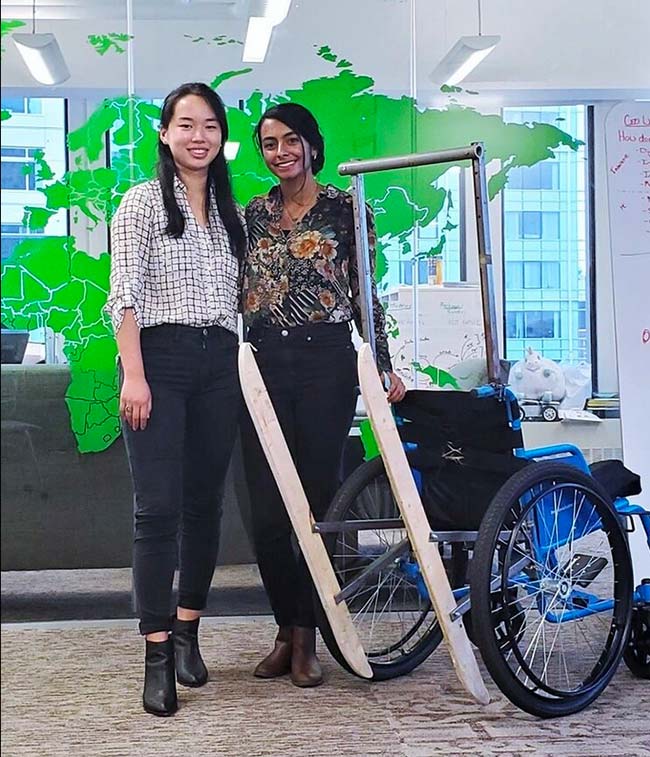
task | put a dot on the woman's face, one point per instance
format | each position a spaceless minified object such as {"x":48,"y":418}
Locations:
{"x":193,"y":135}
{"x":287,"y":154}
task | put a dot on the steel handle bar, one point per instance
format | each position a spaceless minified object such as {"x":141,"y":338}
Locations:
{"x":353,"y":167}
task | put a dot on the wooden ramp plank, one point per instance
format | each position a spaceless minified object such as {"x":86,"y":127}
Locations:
{"x":417,"y":525}
{"x":286,"y":476}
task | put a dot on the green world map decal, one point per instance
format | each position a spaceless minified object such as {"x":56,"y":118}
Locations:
{"x":113,"y":42}
{"x":49,"y":282}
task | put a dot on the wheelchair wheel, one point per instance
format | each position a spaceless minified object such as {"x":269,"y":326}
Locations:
{"x":389,"y":605}
{"x":551,"y":589}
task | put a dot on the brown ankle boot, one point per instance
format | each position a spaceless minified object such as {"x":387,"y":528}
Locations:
{"x":305,"y":667}
{"x":278,"y":663}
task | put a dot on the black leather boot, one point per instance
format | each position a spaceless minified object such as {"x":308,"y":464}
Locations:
{"x":190,"y":668}
{"x":159,"y":697}
{"x":278,"y":662}
{"x":305,"y":666}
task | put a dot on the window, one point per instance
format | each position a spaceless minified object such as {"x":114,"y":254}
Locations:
{"x":512,"y":223}
{"x":541,"y":176}
{"x":545,"y":232}
{"x":540,"y":324}
{"x":582,"y":316}
{"x":18,"y":167}
{"x":532,"y":224}
{"x":22,"y":137}
{"x":532,"y":324}
{"x":533,"y":274}
{"x":22,"y":104}
{"x":550,"y":275}
{"x":514,"y":276}
{"x":515,"y":324}
{"x":13,"y":234}
{"x":550,"y":225}
{"x":406,"y":271}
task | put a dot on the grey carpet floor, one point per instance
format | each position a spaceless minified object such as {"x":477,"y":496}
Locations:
{"x":75,"y":690}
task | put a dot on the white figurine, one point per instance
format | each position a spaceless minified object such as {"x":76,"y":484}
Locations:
{"x":537,"y":378}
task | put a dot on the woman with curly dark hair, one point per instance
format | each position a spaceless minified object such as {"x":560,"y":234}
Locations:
{"x":300,"y":295}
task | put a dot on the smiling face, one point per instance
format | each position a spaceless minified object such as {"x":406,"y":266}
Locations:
{"x":194,"y":135}
{"x":287,"y":154}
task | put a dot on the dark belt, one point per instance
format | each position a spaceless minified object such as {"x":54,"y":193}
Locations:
{"x":320,"y":334}
{"x":181,"y":331}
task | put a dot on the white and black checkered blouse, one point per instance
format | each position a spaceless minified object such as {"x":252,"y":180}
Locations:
{"x":193,"y":280}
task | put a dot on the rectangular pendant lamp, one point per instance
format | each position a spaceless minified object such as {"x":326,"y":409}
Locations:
{"x":260,"y":28}
{"x":43,"y":57}
{"x":463,"y":57}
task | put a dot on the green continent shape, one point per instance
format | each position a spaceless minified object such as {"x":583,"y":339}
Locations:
{"x":8,"y":26}
{"x":103,"y":43}
{"x":49,"y":283}
{"x":437,"y":376}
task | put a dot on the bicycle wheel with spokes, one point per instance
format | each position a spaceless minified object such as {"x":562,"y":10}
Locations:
{"x":551,"y":589}
{"x":377,"y":569}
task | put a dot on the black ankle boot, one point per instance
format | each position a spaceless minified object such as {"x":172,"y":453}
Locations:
{"x":190,"y":668}
{"x":159,"y":697}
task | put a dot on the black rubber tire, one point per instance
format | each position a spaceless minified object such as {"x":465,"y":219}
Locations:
{"x":344,"y":501}
{"x":492,"y":650}
{"x":637,"y":651}
{"x":550,"y":414}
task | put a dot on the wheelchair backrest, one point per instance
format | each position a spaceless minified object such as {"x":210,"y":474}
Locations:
{"x":463,"y":451}
{"x":434,"y":418}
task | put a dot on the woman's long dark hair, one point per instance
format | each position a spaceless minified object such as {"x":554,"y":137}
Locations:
{"x":302,"y":122}
{"x":218,"y":174}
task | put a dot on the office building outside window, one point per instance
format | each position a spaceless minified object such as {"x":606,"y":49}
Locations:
{"x":544,"y":245}
{"x":34,"y":130}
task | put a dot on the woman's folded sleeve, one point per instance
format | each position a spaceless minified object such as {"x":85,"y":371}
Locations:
{"x":130,"y":248}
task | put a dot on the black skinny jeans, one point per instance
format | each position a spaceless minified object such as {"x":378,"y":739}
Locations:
{"x":311,"y":375}
{"x":178,"y":465}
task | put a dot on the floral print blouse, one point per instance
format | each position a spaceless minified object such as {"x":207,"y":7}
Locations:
{"x":308,"y":274}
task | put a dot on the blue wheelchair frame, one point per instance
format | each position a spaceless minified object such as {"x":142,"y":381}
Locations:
{"x":582,"y":603}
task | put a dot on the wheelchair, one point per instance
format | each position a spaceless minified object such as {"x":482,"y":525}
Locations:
{"x":534,"y":543}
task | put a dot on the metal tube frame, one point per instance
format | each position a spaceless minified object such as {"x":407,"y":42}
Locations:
{"x":363,"y":259}
{"x":476,"y":154}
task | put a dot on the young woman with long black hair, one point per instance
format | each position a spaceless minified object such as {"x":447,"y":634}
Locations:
{"x":177,"y":247}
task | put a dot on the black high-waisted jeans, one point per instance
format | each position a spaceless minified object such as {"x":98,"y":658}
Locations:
{"x":310,"y":373}
{"x":179,"y":463}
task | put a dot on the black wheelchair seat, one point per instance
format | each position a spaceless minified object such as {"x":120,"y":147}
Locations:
{"x":615,"y":478}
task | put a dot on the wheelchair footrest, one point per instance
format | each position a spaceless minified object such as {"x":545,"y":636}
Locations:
{"x":585,"y":567}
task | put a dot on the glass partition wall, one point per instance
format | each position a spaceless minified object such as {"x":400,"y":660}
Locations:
{"x":366,"y":70}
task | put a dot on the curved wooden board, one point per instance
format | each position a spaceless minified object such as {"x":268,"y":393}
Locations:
{"x":417,"y":525}
{"x":286,"y":476}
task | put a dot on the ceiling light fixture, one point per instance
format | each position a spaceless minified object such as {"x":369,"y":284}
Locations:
{"x":260,"y":28}
{"x":42,"y":55}
{"x":464,"y":56}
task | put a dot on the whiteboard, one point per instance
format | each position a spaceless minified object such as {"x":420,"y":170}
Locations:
{"x":627,"y":144}
{"x":450,"y":333}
